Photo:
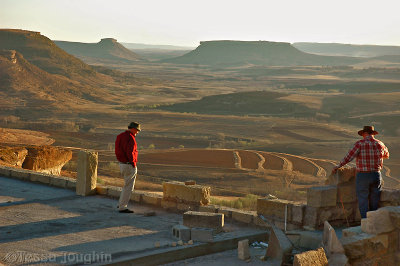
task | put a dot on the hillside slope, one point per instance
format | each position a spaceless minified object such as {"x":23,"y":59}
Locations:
{"x":36,"y":74}
{"x":107,"y":48}
{"x":43,"y":53}
{"x":24,"y":84}
{"x":236,"y":53}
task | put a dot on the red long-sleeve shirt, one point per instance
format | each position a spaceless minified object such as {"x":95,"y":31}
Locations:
{"x":126,"y":148}
{"x":369,"y":154}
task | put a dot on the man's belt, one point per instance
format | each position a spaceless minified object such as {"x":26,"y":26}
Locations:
{"x":125,"y":162}
{"x":367,"y":172}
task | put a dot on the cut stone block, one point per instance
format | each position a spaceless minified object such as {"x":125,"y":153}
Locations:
{"x":58,"y":181}
{"x":202,"y":234}
{"x":390,"y":195}
{"x":352,"y":231}
{"x":243,"y":249}
{"x":169,"y":205}
{"x":278,"y":245}
{"x":151,"y":199}
{"x":114,"y":192}
{"x":71,"y":183}
{"x":394,"y":213}
{"x":5,"y":171}
{"x":87,"y":172}
{"x":377,"y":222}
{"x":203,"y":219}
{"x":185,"y":207}
{"x":192,"y":194}
{"x":40,"y":177}
{"x":321,"y":196}
{"x":20,"y":174}
{"x":330,"y":241}
{"x":346,"y":192}
{"x":273,"y":208}
{"x":342,"y":175}
{"x":244,"y":216}
{"x":136,"y":196}
{"x":260,"y":222}
{"x":364,"y":246}
{"x":226,"y":211}
{"x":312,"y":257}
{"x":208,"y":208}
{"x":297,"y":211}
{"x":336,"y":213}
{"x":311,"y":217}
{"x":181,"y":232}
{"x":101,"y":189}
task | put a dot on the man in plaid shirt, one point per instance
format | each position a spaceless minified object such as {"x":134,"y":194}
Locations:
{"x":369,"y":153}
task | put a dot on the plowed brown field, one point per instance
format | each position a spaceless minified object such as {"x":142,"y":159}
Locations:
{"x":207,"y":158}
{"x":249,"y":159}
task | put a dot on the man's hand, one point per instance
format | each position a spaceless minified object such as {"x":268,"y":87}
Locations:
{"x":334,"y":170}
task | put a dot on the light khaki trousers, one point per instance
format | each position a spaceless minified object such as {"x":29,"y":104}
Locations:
{"x":128,"y":172}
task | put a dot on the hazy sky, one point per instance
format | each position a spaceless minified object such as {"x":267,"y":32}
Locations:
{"x":186,"y":22}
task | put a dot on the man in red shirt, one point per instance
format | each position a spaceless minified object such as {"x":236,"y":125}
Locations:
{"x":369,"y":153}
{"x":126,"y":152}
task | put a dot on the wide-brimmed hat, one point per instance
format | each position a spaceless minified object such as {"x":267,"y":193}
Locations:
{"x":368,"y":129}
{"x":134,"y":125}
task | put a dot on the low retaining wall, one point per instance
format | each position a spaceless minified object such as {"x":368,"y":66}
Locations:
{"x":32,"y":176}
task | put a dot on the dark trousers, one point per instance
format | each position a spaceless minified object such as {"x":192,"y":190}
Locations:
{"x":369,"y":186}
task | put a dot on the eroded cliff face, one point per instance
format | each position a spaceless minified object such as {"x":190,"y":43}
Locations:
{"x":44,"y":159}
{"x":13,"y":156}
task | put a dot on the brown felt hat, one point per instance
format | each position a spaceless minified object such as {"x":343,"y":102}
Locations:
{"x":134,"y":125}
{"x":368,"y":129}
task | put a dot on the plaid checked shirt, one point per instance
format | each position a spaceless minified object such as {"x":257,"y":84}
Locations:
{"x":369,"y":154}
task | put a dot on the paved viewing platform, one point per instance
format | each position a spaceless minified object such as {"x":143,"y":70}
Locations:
{"x":43,"y":224}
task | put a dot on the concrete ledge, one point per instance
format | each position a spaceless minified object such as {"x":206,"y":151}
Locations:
{"x":114,"y":192}
{"x":151,"y":199}
{"x":136,"y":196}
{"x":203,"y":219}
{"x":101,"y":189}
{"x":20,"y":174}
{"x":58,"y":181}
{"x":169,"y":205}
{"x":40,"y":177}
{"x":5,"y":171}
{"x":71,"y":183}
{"x":171,"y":254}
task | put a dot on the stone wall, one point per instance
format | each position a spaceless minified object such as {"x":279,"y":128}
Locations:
{"x":376,"y":241}
{"x":336,"y":203}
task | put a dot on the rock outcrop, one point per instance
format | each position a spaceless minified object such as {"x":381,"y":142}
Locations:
{"x":46,"y":159}
{"x":13,"y":156}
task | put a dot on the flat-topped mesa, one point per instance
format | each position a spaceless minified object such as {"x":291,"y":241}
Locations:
{"x":108,"y":40}
{"x":233,"y":53}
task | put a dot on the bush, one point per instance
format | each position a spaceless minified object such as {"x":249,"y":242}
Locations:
{"x":248,"y":203}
